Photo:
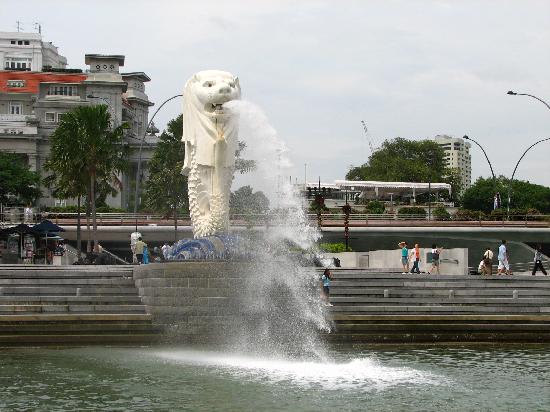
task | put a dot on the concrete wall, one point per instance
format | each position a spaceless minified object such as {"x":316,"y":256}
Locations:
{"x":195,"y":301}
{"x":452,"y":261}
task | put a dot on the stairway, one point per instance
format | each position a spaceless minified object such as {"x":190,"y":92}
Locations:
{"x":391,"y":307}
{"x":42,"y":304}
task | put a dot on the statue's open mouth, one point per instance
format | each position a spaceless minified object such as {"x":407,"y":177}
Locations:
{"x":214,"y":107}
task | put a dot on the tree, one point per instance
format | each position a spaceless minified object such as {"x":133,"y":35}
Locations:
{"x":88,"y":152}
{"x":18,"y":184}
{"x":402,"y":160}
{"x":166,"y":188}
{"x":247,"y":202}
{"x":525,"y":195}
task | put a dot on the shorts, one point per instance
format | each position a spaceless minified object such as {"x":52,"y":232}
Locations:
{"x":435,"y":262}
{"x":404,"y":260}
{"x":326,"y":289}
{"x":503,"y":264}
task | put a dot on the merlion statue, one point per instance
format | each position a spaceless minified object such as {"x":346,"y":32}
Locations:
{"x":210,"y":134}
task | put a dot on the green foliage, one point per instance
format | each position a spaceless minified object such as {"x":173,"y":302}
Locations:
{"x":402,"y":160}
{"x":412,"y":211}
{"x":466,"y":214}
{"x":243,"y":165}
{"x":375,"y":207}
{"x":166,"y":189}
{"x":18,"y":184}
{"x":86,"y":155}
{"x":334,"y":247}
{"x":524,"y":195}
{"x":440,"y":213}
{"x":245,"y":201}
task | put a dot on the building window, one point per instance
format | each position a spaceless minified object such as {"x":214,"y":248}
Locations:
{"x":12,"y":42}
{"x":21,"y":63}
{"x":60,"y":116}
{"x":26,"y":43}
{"x":16,"y":83}
{"x":20,"y":42}
{"x":63,"y":90}
{"x":16,"y":108}
{"x":50,"y":117}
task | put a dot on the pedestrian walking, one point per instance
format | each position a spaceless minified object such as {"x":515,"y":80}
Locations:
{"x":488,"y":262}
{"x":503,"y":262}
{"x":415,"y":255}
{"x":139,"y":248}
{"x":538,"y":261}
{"x":436,"y":253}
{"x":404,"y":257}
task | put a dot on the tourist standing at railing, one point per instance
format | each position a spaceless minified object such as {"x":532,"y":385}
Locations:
{"x":538,"y":261}
{"x":503,"y":263}
{"x":404,"y":257}
{"x":415,"y":255}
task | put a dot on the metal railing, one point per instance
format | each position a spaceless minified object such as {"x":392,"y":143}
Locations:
{"x":15,"y":215}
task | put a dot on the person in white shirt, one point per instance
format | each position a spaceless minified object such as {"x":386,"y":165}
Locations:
{"x":503,"y":264}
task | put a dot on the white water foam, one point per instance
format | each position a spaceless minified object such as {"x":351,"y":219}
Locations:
{"x":357,"y":373}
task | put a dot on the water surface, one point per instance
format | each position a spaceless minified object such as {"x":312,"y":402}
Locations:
{"x":351,"y":379}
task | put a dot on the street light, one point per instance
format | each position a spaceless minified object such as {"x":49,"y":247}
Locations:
{"x":512,"y":93}
{"x":488,"y":161}
{"x":138,"y":173}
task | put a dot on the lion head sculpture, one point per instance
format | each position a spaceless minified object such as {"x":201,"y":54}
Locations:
{"x":205,"y":121}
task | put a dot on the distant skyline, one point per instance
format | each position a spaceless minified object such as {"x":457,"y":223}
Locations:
{"x":413,"y":69}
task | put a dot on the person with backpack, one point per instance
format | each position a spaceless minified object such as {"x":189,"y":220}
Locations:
{"x":436,"y":253}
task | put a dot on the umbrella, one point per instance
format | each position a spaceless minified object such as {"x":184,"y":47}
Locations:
{"x":21,"y":228}
{"x":47,"y":226}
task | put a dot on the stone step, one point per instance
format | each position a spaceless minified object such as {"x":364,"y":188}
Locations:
{"x":64,"y":275}
{"x":76,"y":317}
{"x":80,"y":339}
{"x":74,"y":327}
{"x":442,"y":284}
{"x":428,"y":318}
{"x":67,"y":290}
{"x":439,"y":309}
{"x":34,"y":300}
{"x":440,"y":327}
{"x":358,"y":300}
{"x":411,"y":292}
{"x":59,"y":281}
{"x":440,"y":278}
{"x":107,"y":308}
{"x":80,"y":268}
{"x":459,"y":337}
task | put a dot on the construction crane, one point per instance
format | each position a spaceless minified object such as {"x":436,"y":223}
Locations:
{"x":367,"y":135}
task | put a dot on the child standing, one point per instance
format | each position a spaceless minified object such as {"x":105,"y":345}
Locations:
{"x":325,"y":280}
{"x":404,"y":257}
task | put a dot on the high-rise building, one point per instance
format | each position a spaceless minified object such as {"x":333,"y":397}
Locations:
{"x":34,"y":97}
{"x":457,"y":156}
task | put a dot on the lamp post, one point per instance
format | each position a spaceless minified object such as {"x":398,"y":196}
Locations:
{"x":512,"y":93}
{"x":142,"y":140}
{"x":466,"y":137}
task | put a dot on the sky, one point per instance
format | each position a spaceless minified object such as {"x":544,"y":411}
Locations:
{"x":408,"y":68}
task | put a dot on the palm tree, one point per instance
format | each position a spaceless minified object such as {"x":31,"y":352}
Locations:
{"x":87,"y":153}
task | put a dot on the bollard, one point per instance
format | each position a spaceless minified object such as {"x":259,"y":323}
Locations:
{"x":78,"y":291}
{"x":515,"y":294}
{"x":451,"y":294}
{"x":386,"y":293}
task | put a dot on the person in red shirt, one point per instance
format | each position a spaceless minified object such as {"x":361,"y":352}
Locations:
{"x":416,"y":259}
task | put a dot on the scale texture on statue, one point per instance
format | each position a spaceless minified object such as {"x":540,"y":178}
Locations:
{"x":210,"y":134}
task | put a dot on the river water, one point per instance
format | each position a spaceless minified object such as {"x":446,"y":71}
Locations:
{"x":400,"y":378}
